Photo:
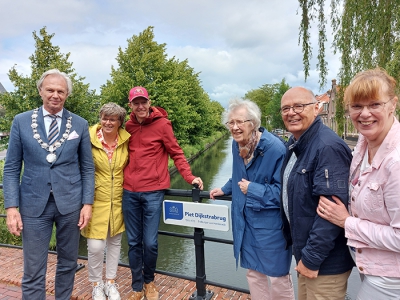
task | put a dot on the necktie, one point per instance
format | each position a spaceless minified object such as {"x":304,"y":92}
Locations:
{"x":53,"y":130}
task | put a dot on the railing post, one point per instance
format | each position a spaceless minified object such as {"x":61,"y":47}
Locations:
{"x":201,"y":292}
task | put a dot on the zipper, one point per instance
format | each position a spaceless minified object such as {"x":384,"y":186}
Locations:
{"x":327,"y":178}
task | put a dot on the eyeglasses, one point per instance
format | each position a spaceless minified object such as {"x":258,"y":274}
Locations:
{"x":297,"y":108}
{"x":373,"y":107}
{"x":239,"y":123}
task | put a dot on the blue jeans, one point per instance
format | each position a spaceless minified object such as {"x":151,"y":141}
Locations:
{"x":142,"y":212}
{"x":35,"y":240}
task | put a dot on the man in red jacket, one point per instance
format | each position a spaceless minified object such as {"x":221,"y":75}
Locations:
{"x":145,"y":179}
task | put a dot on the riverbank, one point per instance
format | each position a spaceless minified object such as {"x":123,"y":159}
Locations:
{"x":173,"y":169}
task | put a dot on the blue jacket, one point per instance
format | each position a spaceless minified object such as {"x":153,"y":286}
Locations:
{"x":256,"y":222}
{"x":322,"y":168}
{"x":70,"y":176}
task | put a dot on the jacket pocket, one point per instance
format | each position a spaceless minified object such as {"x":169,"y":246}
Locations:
{"x":264,"y":219}
{"x":304,"y":176}
{"x":26,"y":180}
{"x":374,"y":197}
{"x":74,"y":179}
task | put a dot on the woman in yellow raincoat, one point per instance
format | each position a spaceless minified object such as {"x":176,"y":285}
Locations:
{"x":110,"y":154}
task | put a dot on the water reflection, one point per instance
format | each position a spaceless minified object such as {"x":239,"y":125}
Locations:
{"x":177,"y":254}
{"x":214,"y":167}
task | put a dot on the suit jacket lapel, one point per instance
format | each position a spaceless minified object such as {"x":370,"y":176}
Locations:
{"x":41,"y":127}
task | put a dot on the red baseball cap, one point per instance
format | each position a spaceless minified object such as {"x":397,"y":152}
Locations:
{"x":137,"y":92}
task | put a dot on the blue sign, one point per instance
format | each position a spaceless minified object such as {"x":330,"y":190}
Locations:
{"x":173,"y":210}
{"x":200,"y":215}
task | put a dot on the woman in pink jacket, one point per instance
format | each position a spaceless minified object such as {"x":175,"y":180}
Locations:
{"x":372,"y":222}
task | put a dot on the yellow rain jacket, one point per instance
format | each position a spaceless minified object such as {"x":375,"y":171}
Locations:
{"x":109,"y":178}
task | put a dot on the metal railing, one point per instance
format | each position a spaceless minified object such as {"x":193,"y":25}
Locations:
{"x":199,"y":239}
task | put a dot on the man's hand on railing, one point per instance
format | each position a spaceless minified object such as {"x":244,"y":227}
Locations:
{"x":14,"y":221}
{"x":216,"y":192}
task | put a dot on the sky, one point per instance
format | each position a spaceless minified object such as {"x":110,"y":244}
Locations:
{"x":235,"y":45}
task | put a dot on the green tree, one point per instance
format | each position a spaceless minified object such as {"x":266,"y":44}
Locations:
{"x":268,"y":98}
{"x":26,"y":96}
{"x":172,"y":84}
{"x":366,"y":35}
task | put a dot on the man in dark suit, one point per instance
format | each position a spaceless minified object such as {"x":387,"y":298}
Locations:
{"x":57,"y":185}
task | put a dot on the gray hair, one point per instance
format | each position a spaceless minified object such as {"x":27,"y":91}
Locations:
{"x":58,"y":73}
{"x":253,"y":111}
{"x":113,"y":109}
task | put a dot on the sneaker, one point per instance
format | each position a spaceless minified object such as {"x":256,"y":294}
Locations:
{"x":150,"y":291}
{"x":137,"y":296}
{"x":98,"y":291}
{"x":111,"y":290}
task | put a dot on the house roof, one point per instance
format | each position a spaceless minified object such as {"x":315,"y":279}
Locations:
{"x":2,"y":89}
{"x":324,"y":98}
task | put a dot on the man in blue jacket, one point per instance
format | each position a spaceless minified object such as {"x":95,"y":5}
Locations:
{"x":317,"y":164}
{"x":56,"y":186}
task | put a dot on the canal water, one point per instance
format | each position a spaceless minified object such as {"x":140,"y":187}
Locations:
{"x":177,"y":254}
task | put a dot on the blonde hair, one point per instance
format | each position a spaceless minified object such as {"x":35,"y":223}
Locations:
{"x":368,"y":85}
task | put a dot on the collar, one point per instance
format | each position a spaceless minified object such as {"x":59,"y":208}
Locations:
{"x":299,"y":145}
{"x":46,"y":113}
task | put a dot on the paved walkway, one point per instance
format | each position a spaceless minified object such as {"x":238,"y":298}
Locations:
{"x":11,"y":269}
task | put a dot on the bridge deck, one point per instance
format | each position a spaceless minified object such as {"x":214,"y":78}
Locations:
{"x":11,"y":270}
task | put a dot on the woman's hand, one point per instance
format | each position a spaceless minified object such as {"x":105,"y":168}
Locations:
{"x":244,"y":185}
{"x":335,"y":213}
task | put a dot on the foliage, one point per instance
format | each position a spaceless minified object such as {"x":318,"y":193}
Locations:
{"x":366,"y":34}
{"x":172,"y":84}
{"x":268,"y":98}
{"x":26,"y":97}
{"x":393,"y":66}
{"x":5,"y":236}
{"x":1,"y":169}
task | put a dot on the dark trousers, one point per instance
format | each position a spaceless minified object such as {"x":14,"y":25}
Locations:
{"x":36,"y":236}
{"x":142,"y":212}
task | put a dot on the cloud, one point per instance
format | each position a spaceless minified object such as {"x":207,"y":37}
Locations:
{"x":235,"y":45}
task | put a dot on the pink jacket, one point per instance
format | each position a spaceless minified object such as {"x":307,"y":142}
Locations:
{"x":374,"y":229}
